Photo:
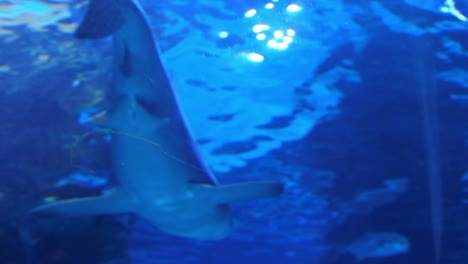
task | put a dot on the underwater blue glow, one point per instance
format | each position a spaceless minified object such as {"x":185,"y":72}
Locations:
{"x":256,"y":80}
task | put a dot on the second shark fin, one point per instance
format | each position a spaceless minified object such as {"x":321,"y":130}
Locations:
{"x":115,"y":202}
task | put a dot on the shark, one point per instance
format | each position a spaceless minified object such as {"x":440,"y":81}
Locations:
{"x":161,"y":175}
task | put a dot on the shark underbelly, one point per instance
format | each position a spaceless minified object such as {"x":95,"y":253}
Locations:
{"x":137,"y":163}
{"x":145,"y":147}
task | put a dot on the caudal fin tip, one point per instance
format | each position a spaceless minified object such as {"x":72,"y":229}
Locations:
{"x":277,"y":188}
{"x":41,"y":210}
{"x":270,"y":189}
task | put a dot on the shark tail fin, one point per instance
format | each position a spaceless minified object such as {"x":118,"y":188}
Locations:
{"x":115,"y":202}
{"x":239,"y":192}
{"x":102,"y":19}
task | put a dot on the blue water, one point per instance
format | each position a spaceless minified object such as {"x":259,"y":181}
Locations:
{"x":362,"y":116}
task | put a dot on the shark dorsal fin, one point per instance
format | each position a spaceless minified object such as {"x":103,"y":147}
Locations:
{"x":102,"y":19}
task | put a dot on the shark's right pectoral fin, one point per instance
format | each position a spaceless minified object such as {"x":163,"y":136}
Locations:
{"x":238,"y":192}
{"x":113,"y":203}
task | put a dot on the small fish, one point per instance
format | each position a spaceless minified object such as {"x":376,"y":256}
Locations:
{"x":378,"y":245}
{"x":399,"y":184}
{"x":368,"y":201}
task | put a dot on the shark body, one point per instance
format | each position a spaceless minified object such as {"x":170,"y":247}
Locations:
{"x":166,"y":182}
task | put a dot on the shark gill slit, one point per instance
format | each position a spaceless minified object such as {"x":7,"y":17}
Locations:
{"x":122,"y":133}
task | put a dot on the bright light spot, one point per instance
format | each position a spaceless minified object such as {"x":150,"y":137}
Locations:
{"x":83,"y":118}
{"x":261,"y":36}
{"x":260,"y":27}
{"x":287,"y":39}
{"x":278,"y":34}
{"x":255,"y":57}
{"x":275,"y":1}
{"x":76,"y":83}
{"x":277,"y":45}
{"x":223,"y":34}
{"x":250,"y":13}
{"x":293,"y":8}
{"x":290,"y":32}
{"x":269,"y":6}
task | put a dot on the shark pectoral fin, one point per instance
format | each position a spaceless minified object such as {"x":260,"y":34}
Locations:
{"x":102,"y":19}
{"x":239,"y":192}
{"x":115,"y":202}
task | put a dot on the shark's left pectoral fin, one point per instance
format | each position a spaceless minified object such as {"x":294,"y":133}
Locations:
{"x":115,"y":202}
{"x":239,"y":192}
